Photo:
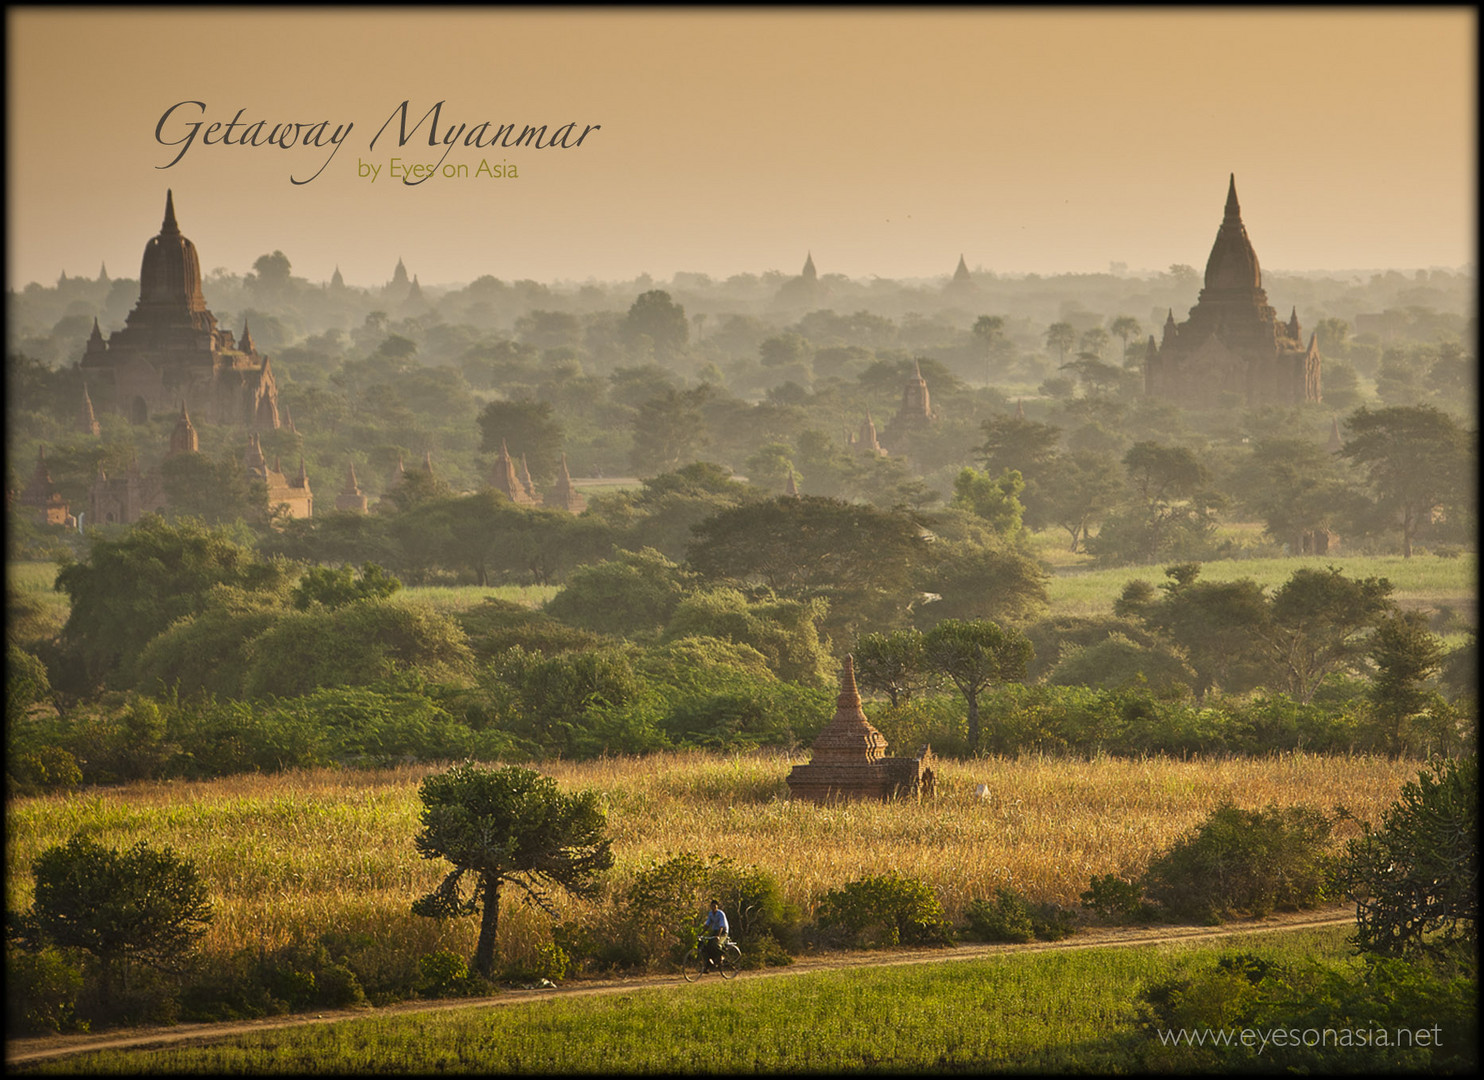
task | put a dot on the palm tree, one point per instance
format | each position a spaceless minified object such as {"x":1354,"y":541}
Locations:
{"x":1061,"y":337}
{"x":1125,"y":327}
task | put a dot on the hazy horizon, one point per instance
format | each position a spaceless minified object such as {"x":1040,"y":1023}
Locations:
{"x":884,"y":143}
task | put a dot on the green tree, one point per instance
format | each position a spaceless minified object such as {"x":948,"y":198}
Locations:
{"x":1415,"y":880}
{"x":1406,"y":655}
{"x":975,"y":656}
{"x":1215,"y":623}
{"x":1124,"y":327}
{"x":507,"y":826}
{"x":995,"y":499}
{"x":1318,"y":623}
{"x":1170,"y":504}
{"x":861,"y":559}
{"x":334,"y":587}
{"x":1093,"y":340}
{"x":670,"y":431}
{"x":1030,"y":448}
{"x":634,"y":593}
{"x":1418,"y":461}
{"x":892,"y":663}
{"x":659,"y":319}
{"x":354,"y":645}
{"x":989,"y":331}
{"x":786,"y":632}
{"x":1081,"y":487}
{"x":1061,"y":336}
{"x":135,"y":585}
{"x":990,"y":581}
{"x":145,"y":905}
{"x":1294,"y":486}
{"x":526,"y":428}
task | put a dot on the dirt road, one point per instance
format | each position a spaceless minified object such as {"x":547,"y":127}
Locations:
{"x":18,"y":1051}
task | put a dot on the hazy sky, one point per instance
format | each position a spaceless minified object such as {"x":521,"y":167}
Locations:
{"x":885,"y":143}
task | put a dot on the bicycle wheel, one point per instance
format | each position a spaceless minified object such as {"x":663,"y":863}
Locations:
{"x":695,"y":966}
{"x":731,"y":961}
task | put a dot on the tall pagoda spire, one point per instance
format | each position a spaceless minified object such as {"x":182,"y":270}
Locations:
{"x":1233,"y":263}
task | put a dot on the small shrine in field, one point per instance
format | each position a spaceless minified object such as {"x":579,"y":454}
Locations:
{"x":849,"y":758}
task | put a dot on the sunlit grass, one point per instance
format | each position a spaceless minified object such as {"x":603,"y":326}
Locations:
{"x":297,"y":854}
{"x":456,"y":598}
{"x":1021,"y":1012}
{"x":1423,"y":579}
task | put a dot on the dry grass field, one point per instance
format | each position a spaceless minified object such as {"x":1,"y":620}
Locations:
{"x":298,"y":854}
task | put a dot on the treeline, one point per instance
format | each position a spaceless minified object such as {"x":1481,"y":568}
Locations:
{"x":187,"y":654}
{"x":644,"y":383}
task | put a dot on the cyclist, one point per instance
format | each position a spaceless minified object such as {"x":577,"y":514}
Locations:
{"x":714,"y":934}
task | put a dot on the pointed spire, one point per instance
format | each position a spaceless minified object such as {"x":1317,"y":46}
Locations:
{"x":96,"y":344}
{"x":809,"y":273}
{"x":245,"y":342}
{"x":1233,"y":208}
{"x":103,"y":273}
{"x":791,"y":489}
{"x":962,"y":273}
{"x":525,"y":478}
{"x":352,"y":485}
{"x":88,"y":421}
{"x":847,"y":681}
{"x":336,"y":281}
{"x":303,"y":476}
{"x":169,"y":225}
{"x":1293,"y":324}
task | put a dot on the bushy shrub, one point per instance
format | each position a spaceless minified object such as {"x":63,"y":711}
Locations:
{"x":446,"y":974}
{"x":1389,"y":1016}
{"x":1005,"y":917}
{"x":1009,"y":916}
{"x":888,"y":910}
{"x":662,"y":908}
{"x":1113,"y":898}
{"x":41,"y":992}
{"x":1244,"y":862}
{"x":549,"y":962}
{"x":1416,"y":880}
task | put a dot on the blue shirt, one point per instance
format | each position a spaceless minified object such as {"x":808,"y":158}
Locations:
{"x":716,"y":922}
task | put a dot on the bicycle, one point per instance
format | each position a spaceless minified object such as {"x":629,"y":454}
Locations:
{"x":727,"y":965}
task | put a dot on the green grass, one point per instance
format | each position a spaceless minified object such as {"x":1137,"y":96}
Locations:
{"x":1422,"y":580}
{"x":1072,"y":1010}
{"x":456,"y":598}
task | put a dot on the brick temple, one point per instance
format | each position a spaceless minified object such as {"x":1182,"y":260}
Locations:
{"x":1233,"y":350}
{"x":849,"y":759}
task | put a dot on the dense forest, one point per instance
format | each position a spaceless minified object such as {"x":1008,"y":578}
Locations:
{"x":740,"y":535}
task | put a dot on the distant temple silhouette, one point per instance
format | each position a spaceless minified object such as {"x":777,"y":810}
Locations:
{"x":171,"y":350}
{"x":1233,"y":349}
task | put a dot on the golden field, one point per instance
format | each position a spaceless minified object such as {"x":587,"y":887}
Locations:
{"x":299,"y":854}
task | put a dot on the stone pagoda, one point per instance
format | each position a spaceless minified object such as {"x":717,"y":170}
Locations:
{"x":171,"y":349}
{"x":1233,"y":351}
{"x":849,"y":759}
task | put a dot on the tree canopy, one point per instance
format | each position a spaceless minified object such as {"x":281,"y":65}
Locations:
{"x":507,"y":826}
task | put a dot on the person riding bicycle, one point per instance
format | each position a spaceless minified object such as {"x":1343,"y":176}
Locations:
{"x":714,"y":934}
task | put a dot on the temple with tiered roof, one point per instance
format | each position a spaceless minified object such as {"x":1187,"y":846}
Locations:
{"x":171,"y":349}
{"x":849,"y":758}
{"x":1233,"y":351}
